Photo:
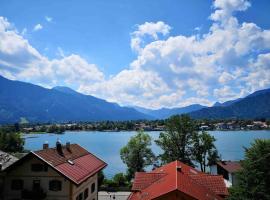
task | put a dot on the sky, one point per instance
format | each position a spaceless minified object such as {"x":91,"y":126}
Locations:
{"x":153,"y":54}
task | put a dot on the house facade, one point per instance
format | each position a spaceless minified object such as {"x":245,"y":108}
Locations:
{"x":177,"y":181}
{"x":64,"y":172}
{"x":228,"y":170}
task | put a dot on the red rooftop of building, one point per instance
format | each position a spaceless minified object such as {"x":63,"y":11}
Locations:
{"x":230,"y":166}
{"x":176,"y":181}
{"x":71,"y":160}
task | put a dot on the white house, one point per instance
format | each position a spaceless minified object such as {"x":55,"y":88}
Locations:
{"x":227,"y":169}
{"x":65,"y":172}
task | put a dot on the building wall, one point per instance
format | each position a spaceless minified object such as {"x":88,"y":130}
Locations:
{"x":24,"y":172}
{"x":76,"y":190}
{"x":69,"y":190}
{"x":175,"y":195}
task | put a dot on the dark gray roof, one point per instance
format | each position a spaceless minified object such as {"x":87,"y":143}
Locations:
{"x":6,"y":160}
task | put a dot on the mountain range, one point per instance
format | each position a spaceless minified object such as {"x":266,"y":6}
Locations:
{"x":20,"y":101}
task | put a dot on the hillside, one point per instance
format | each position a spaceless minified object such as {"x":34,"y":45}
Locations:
{"x":255,"y":105}
{"x":164,"y":113}
{"x":19,"y":100}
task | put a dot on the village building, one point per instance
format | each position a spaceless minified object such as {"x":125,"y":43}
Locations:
{"x":65,"y":172}
{"x":177,"y":181}
{"x":228,"y":170}
{"x":6,"y":160}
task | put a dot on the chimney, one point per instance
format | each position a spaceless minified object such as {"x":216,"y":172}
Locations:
{"x":68,"y":146}
{"x":59,"y":147}
{"x":45,"y":145}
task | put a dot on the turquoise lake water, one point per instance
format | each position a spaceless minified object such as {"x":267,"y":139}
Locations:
{"x":107,"y":145}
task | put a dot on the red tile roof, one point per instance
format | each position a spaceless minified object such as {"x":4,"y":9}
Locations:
{"x":213,"y":182}
{"x":143,"y":180}
{"x":230,"y":166}
{"x":75,"y":163}
{"x":187,"y":180}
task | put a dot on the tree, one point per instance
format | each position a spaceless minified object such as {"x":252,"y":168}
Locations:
{"x":176,"y":142}
{"x":137,"y":154}
{"x":120,"y":179}
{"x":11,"y":142}
{"x":101,"y":178}
{"x":204,"y":150}
{"x":254,"y":178}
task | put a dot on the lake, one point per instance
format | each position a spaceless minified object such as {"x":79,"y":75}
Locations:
{"x":107,"y":145}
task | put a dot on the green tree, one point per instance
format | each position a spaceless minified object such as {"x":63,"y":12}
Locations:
{"x":204,"y":150}
{"x":254,"y":178}
{"x":101,"y":178}
{"x":137,"y":154}
{"x":176,"y":142}
{"x":11,"y":142}
{"x":120,"y":179}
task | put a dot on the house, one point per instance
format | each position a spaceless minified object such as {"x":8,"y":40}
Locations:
{"x":6,"y":160}
{"x":65,"y":172}
{"x":227,"y":169}
{"x":177,"y":181}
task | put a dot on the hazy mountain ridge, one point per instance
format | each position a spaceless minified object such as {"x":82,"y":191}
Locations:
{"x":255,"y":105}
{"x":37,"y":104}
{"x":62,"y":104}
{"x":164,"y":113}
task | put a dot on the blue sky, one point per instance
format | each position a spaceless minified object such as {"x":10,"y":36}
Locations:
{"x":87,"y":45}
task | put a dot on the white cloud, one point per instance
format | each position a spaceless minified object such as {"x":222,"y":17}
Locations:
{"x":48,"y":19}
{"x":19,"y":60}
{"x":225,"y":8}
{"x":37,"y":27}
{"x":148,"y":29}
{"x":229,"y":61}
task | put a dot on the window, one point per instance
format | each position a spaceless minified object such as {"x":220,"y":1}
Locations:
{"x":55,"y":185}
{"x":80,"y":196}
{"x":36,"y":185}
{"x":93,"y":187}
{"x":86,"y":193}
{"x":37,"y":167}
{"x":17,"y":184}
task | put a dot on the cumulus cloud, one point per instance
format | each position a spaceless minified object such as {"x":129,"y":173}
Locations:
{"x":148,"y":29}
{"x":229,"y":61}
{"x":225,"y":8}
{"x":19,"y":60}
{"x":37,"y":27}
{"x":223,"y":64}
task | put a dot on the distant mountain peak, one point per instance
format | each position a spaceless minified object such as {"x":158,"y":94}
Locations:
{"x":65,"y":89}
{"x":217,"y":104}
